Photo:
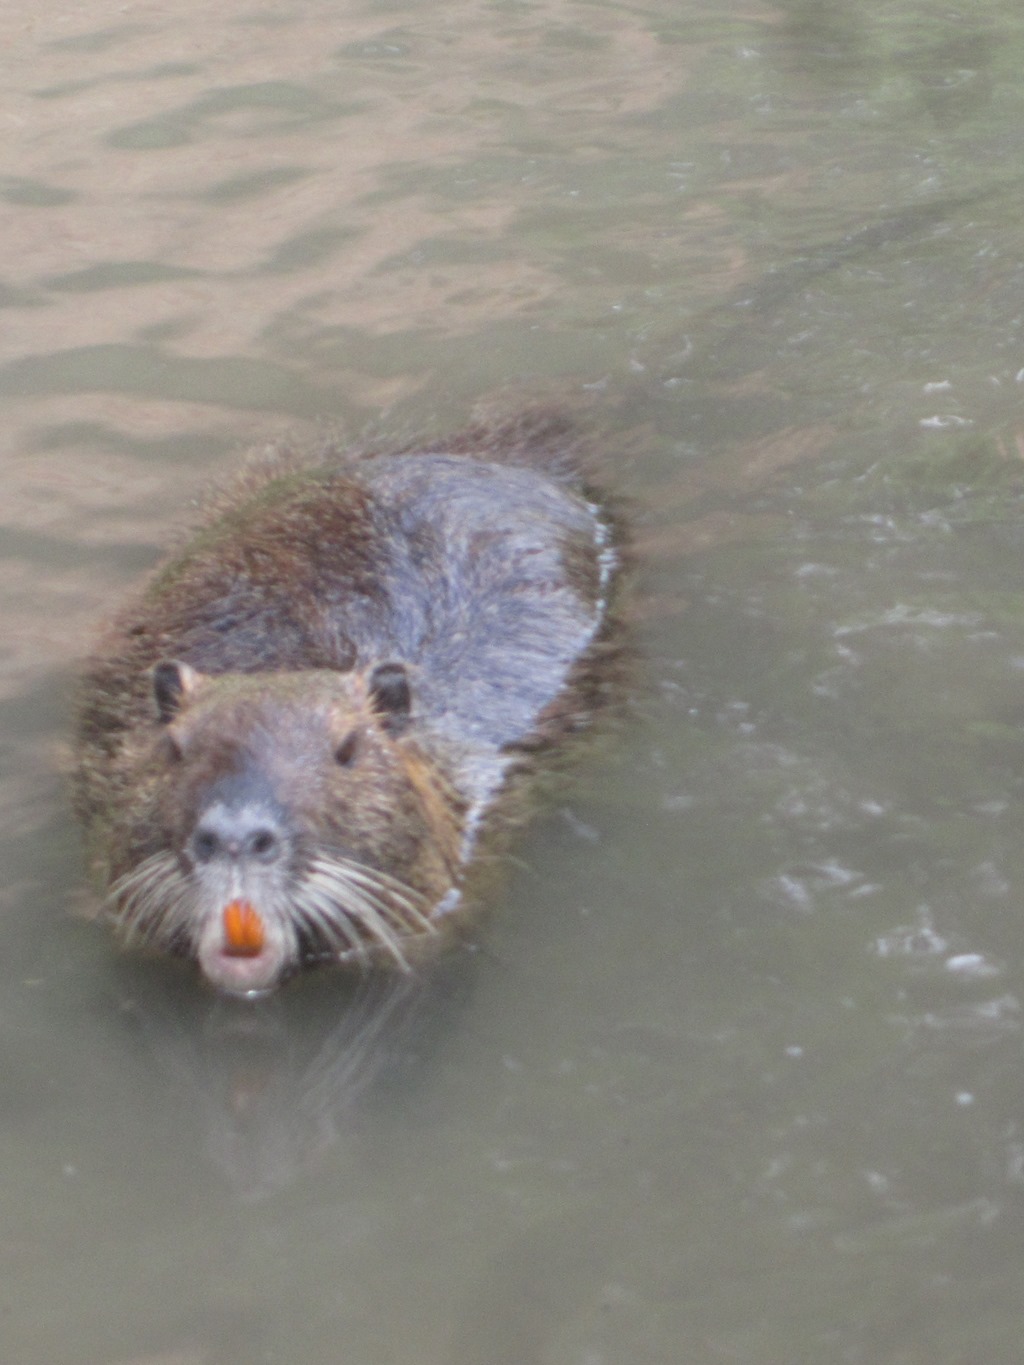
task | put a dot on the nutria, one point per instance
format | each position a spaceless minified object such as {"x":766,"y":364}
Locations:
{"x":290,"y":744}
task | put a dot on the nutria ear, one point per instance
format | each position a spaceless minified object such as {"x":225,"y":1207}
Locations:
{"x":390,"y":695}
{"x":173,"y":682}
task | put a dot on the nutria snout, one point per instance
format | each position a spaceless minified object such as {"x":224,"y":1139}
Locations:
{"x":290,"y":746}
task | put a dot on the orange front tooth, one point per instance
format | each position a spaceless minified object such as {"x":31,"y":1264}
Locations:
{"x":243,"y":929}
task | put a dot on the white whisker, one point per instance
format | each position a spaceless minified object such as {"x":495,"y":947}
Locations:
{"x":341,"y":908}
{"x":151,"y":905}
{"x":354,"y":903}
{"x":330,"y":924}
{"x":391,"y":896}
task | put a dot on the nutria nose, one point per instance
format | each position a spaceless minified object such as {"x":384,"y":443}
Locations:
{"x":238,"y":833}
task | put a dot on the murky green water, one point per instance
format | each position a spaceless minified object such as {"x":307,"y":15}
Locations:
{"x":736,"y":1074}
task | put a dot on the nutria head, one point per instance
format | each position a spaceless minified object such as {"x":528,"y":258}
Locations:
{"x":277,"y":819}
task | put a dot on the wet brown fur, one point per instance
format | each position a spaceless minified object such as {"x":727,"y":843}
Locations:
{"x":487,"y":587}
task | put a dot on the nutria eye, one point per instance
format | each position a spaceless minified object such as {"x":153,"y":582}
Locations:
{"x":391,"y":695}
{"x":345,"y":753}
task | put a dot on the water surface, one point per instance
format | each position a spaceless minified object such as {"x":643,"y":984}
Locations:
{"x":734,"y":1073}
